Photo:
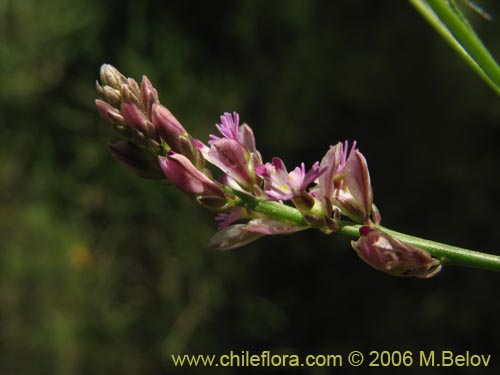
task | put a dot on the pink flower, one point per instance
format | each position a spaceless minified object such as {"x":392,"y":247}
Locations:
{"x":346,"y":183}
{"x":281,"y":185}
{"x":334,"y":162}
{"x":234,"y":153}
{"x":234,"y":160}
{"x":385,"y":253}
{"x":356,"y":196}
{"x":229,"y":128}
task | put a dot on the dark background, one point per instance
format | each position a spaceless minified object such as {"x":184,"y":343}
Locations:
{"x":102,"y":272}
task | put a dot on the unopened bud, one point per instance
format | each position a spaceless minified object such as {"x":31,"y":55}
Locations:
{"x":149,"y":95}
{"x":167,"y":126}
{"x":109,"y":113}
{"x":99,"y":88}
{"x":111,"y":76}
{"x":134,"y":87}
{"x":185,"y":177}
{"x":129,"y":95}
{"x":188,"y":148}
{"x":111,"y":95}
{"x":137,"y":119}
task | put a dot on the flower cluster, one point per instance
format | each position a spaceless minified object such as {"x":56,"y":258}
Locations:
{"x":155,"y":145}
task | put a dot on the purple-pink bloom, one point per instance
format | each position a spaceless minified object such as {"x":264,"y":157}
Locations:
{"x":334,"y":163}
{"x":346,"y":182}
{"x":357,"y":179}
{"x":234,"y":153}
{"x":185,"y":177}
{"x":229,"y":128}
{"x":234,"y":160}
{"x":386,"y":253}
{"x":281,"y":185}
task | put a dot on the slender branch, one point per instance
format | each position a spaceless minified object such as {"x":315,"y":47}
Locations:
{"x":462,"y":38}
{"x":275,"y":210}
{"x":449,"y":255}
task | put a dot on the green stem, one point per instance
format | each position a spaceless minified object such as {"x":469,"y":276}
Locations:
{"x":459,"y":34}
{"x":275,"y":210}
{"x":449,"y":255}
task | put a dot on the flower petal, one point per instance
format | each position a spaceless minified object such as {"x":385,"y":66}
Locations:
{"x":357,"y":179}
{"x":232,"y":158}
{"x":232,"y":237}
{"x":388,"y":254}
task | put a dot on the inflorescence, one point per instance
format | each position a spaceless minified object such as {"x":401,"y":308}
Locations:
{"x":155,"y":145}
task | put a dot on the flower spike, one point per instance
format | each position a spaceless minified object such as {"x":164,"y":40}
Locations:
{"x":253,"y":199}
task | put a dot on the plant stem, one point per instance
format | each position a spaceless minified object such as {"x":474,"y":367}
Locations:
{"x":459,"y":34}
{"x":449,"y":255}
{"x":275,"y":210}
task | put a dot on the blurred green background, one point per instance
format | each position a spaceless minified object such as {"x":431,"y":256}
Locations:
{"x":102,"y":272}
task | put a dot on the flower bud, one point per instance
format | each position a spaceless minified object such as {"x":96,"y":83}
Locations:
{"x":167,"y":126}
{"x":137,"y":119}
{"x":109,"y":113}
{"x":134,"y":87}
{"x":129,"y":94}
{"x":149,"y":95}
{"x":185,"y":177}
{"x":188,"y":148}
{"x":110,"y":76}
{"x":112,"y":96}
{"x":386,"y":253}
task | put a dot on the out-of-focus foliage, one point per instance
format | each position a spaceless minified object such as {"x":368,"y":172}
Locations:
{"x":102,"y":272}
